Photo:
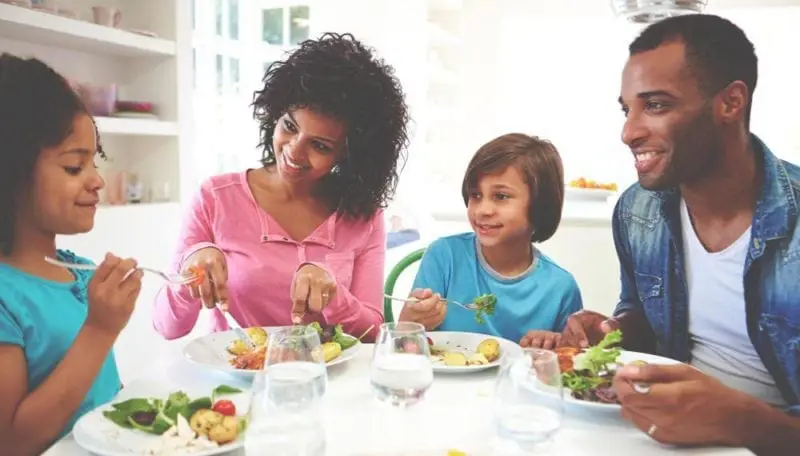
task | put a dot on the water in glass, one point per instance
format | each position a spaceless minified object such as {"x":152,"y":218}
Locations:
{"x":401,"y":371}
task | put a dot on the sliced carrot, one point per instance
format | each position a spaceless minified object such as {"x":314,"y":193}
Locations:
{"x":199,"y":274}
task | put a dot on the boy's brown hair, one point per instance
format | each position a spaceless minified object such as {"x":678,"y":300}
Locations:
{"x":541,"y":167}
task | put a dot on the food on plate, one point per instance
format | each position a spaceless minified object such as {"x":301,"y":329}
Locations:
{"x":199,"y":275}
{"x":334,"y":342}
{"x":484,"y":306}
{"x":257,"y":335}
{"x":489,"y":348}
{"x":487,"y":351}
{"x":183,"y":423}
{"x":589,"y":374}
{"x":582,"y":182}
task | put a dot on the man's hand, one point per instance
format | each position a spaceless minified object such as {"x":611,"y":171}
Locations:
{"x":684,"y":406}
{"x":586,"y":328}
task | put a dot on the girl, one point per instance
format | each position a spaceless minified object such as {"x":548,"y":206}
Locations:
{"x":302,"y":236}
{"x":514,"y":192}
{"x":57,"y":326}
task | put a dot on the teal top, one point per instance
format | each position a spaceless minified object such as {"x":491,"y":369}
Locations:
{"x":43,"y":318}
{"x":541,"y":298}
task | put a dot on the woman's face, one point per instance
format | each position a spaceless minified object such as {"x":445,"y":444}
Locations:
{"x":307,"y":145}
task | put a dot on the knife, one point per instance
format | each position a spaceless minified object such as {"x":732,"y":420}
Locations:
{"x":237,"y":328}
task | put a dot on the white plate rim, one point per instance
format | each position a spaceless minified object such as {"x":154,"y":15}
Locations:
{"x":225,"y":366}
{"x":580,"y":403}
{"x":505,"y":346}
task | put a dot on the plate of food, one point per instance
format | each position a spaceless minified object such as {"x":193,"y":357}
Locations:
{"x":156,"y":421}
{"x":587,"y":374}
{"x":462,"y":352}
{"x":224,"y":351}
{"x":588,"y":189}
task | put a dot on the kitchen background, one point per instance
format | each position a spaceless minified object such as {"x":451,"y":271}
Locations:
{"x":171,"y":82}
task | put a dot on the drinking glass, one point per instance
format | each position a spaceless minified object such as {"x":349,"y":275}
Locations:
{"x":401,"y":370}
{"x":286,"y":410}
{"x":529,"y":401}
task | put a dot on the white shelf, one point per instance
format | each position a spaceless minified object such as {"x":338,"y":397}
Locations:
{"x":138,"y":127}
{"x":38,"y":27}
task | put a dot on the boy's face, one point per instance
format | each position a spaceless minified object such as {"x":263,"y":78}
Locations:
{"x":498,"y":208}
{"x":65,"y":186}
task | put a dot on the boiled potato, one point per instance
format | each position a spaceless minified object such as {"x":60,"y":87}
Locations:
{"x":638,"y":362}
{"x":478,"y":359}
{"x":455,"y":359}
{"x":331,"y":350}
{"x":489,"y":348}
{"x":257,"y":334}
{"x":238,"y":347}
{"x":203,"y":420}
{"x":226,"y":431}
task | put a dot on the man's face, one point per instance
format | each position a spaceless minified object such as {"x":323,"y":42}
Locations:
{"x":670,"y":125}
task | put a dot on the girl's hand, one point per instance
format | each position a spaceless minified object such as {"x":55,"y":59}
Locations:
{"x":210,"y":267}
{"x":312,"y":290}
{"x":540,"y":339}
{"x":112,"y":294}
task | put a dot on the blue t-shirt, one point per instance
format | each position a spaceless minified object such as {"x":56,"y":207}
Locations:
{"x":44,"y":317}
{"x":541,"y":298}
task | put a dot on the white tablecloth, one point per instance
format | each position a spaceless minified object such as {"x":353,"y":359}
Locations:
{"x":456,"y":414}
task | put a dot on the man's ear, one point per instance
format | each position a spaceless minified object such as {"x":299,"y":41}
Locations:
{"x":735,"y":100}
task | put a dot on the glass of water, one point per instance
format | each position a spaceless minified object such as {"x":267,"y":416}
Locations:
{"x":401,"y":370}
{"x":286,"y":410}
{"x":529,"y":401}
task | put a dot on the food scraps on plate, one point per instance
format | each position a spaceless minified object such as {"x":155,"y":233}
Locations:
{"x":182,"y":422}
{"x":590,"y":184}
{"x":487,"y":351}
{"x":334,"y":342}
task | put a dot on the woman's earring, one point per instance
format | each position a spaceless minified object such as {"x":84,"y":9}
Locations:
{"x":336,"y":169}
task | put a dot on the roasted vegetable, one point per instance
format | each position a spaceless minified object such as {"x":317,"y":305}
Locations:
{"x":257,"y":335}
{"x":490,"y":349}
{"x":455,"y":359}
{"x":331,"y":350}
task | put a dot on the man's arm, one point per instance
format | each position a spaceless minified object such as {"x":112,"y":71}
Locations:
{"x":636,"y":330}
{"x":769,"y":431}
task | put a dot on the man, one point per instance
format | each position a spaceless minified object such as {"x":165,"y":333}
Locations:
{"x":708,"y":248}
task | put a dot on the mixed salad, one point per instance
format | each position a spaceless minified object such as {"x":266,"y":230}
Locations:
{"x":589,"y":374}
{"x":484,"y":305}
{"x":182,"y":422}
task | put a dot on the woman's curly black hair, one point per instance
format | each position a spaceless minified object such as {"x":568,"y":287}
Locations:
{"x":37,"y":108}
{"x":338,"y":76}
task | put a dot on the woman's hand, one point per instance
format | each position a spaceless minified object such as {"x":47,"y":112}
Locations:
{"x":428,"y":309}
{"x":312,"y":290}
{"x":112,"y":294}
{"x":212,"y":288}
{"x":540,"y":339}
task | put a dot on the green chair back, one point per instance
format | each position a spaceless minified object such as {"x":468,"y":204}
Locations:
{"x":394,"y":274}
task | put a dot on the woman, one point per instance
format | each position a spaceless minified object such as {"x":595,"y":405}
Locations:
{"x":302,"y":238}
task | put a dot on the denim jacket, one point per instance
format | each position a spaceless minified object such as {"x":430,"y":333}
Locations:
{"x":647,"y":236}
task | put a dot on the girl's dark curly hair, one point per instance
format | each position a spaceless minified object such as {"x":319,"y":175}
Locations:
{"x":37,"y":108}
{"x":338,"y":76}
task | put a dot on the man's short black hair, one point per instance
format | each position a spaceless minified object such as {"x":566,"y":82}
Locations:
{"x":717,"y":50}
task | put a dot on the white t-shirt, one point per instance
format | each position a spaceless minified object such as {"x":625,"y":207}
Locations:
{"x":721,"y":346}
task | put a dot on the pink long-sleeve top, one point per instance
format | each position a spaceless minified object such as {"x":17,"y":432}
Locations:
{"x":262,"y":261}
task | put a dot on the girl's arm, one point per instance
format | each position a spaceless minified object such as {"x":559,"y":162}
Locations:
{"x":176,"y":312}
{"x":571,"y":302}
{"x":32,"y":421}
{"x":361,"y":306}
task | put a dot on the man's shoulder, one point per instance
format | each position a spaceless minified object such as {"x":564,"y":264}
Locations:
{"x":793,"y":173}
{"x":639,"y":204}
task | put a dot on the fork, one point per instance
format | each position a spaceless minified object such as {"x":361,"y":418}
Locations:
{"x":176,"y":279}
{"x":471,"y":307}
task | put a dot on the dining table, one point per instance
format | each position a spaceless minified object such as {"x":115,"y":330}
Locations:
{"x":455,"y":414}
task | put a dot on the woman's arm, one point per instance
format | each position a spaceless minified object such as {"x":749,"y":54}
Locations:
{"x":361,"y":306}
{"x":32,"y":421}
{"x":176,"y":311}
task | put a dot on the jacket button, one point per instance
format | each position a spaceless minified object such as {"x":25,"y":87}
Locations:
{"x":265,"y":238}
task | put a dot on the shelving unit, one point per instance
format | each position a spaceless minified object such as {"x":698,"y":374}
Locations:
{"x":144,"y":68}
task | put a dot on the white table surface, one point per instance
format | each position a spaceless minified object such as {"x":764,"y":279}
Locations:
{"x":456,"y":414}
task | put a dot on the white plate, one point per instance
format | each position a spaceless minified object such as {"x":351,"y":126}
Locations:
{"x":211,"y":351}
{"x":589,"y":194}
{"x":98,"y":435}
{"x":625,"y":357}
{"x":467,"y":343}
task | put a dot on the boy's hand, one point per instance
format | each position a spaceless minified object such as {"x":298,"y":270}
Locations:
{"x":540,"y":339}
{"x":428,"y":311}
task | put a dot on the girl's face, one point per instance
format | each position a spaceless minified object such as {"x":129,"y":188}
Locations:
{"x":498,"y":208}
{"x":64,"y":190}
{"x":307,"y":145}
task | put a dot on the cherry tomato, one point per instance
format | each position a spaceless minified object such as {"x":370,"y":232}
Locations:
{"x":224,"y":407}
